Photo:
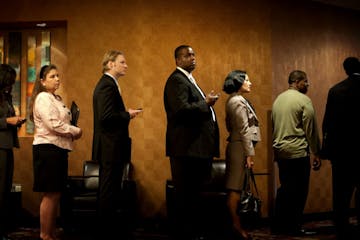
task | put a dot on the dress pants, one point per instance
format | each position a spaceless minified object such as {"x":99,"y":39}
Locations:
{"x":6,"y":176}
{"x":189,"y":174}
{"x":294,"y":175}
{"x":346,"y":181}
{"x":111,"y":220}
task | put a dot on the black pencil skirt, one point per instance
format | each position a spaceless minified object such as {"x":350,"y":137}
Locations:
{"x":50,"y":168}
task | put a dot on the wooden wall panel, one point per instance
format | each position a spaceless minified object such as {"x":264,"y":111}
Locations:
{"x":314,"y":38}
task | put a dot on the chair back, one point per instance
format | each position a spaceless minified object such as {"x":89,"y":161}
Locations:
{"x":91,"y":172}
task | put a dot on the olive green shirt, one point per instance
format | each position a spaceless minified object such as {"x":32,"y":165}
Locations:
{"x":295,"y":132}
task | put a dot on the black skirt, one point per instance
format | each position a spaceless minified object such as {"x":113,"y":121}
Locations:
{"x":50,"y":167}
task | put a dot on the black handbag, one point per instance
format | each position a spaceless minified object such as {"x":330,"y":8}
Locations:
{"x":249,"y":206}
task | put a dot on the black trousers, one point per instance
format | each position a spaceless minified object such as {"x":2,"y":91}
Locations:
{"x":111,"y":221}
{"x":294,"y":175}
{"x":6,"y":177}
{"x":189,"y":175}
{"x":346,"y":181}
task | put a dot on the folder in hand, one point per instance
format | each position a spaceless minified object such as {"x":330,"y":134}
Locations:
{"x":75,"y":112}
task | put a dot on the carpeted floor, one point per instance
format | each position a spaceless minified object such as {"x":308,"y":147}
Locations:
{"x":157,"y":231}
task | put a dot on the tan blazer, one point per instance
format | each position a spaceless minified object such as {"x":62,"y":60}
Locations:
{"x":242,"y":123}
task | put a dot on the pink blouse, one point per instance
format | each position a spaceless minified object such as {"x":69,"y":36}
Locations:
{"x":52,"y":122}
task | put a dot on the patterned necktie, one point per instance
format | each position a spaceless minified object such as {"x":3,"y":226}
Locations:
{"x":192,"y":80}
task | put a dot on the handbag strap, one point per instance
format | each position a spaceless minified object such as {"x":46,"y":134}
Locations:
{"x":252,"y":175}
{"x":249,"y":176}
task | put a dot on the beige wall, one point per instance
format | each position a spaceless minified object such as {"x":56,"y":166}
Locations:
{"x":266,"y":39}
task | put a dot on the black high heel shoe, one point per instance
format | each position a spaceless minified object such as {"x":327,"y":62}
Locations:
{"x":236,"y":235}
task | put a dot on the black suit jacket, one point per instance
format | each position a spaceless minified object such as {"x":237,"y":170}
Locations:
{"x":111,"y":140}
{"x":191,"y":131}
{"x":8,"y":133}
{"x":341,"y":128}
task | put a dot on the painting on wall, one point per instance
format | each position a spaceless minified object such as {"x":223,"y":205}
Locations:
{"x":14,"y":60}
{"x":12,"y":53}
{"x":1,"y":49}
{"x":31,"y":78}
{"x":45,"y":48}
{"x":45,"y":59}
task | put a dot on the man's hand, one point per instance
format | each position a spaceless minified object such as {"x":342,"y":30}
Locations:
{"x":211,"y":98}
{"x":134,"y":112}
{"x":316,"y":163}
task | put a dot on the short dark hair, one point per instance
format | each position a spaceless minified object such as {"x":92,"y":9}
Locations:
{"x":351,"y":65}
{"x":233,"y":81}
{"x":178,"y":49}
{"x":296,"y":75}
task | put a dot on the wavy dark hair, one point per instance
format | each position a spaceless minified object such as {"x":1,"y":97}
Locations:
{"x":233,"y":81}
{"x":7,"y":78}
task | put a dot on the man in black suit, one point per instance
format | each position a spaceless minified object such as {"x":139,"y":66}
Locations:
{"x":341,"y":141}
{"x":192,"y":139}
{"x":111,"y":141}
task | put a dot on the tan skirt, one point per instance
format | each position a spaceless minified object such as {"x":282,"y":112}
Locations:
{"x":235,"y":166}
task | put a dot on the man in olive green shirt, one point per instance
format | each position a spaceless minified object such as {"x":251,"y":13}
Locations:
{"x":295,"y":136}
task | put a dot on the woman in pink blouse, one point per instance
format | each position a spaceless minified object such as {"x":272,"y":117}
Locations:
{"x":53,"y":139}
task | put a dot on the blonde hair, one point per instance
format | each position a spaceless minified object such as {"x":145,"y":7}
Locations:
{"x":110,"y":56}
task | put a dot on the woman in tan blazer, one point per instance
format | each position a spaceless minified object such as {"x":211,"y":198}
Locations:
{"x":243,"y":127}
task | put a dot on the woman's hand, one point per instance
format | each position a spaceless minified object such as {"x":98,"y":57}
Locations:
{"x":15,"y":121}
{"x":77,"y":136}
{"x":249,"y":162}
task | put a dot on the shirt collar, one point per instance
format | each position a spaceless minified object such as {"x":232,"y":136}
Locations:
{"x":116,"y":82}
{"x":185,"y":72}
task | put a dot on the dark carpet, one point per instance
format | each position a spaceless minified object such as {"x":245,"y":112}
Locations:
{"x":157,"y":230}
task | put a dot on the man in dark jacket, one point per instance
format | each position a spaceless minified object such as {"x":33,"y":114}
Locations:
{"x":341,"y":141}
{"x":192,"y":139}
{"x":111,"y":142}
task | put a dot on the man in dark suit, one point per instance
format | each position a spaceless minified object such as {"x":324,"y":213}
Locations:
{"x":341,"y":141}
{"x":192,"y":139}
{"x":111,"y":141}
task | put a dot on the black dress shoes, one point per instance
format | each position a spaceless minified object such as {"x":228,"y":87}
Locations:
{"x":295,"y":232}
{"x":303,"y":232}
{"x":236,"y":235}
{"x":199,"y":238}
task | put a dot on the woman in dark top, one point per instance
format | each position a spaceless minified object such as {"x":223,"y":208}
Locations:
{"x":9,"y":124}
